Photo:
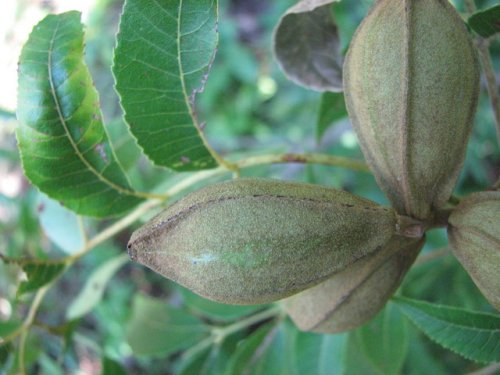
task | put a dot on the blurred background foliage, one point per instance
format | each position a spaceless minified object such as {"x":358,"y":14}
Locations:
{"x":250,"y":108}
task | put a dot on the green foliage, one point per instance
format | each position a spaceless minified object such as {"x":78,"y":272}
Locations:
{"x":93,"y":290}
{"x":38,"y":272}
{"x":83,"y":303}
{"x":64,"y":147}
{"x":159,"y":330}
{"x":332,"y":108}
{"x":384,"y":341}
{"x":486,"y":22}
{"x":471,"y":334}
{"x":162,"y":61}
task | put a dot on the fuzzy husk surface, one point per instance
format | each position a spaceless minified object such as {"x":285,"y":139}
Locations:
{"x":474,"y":234}
{"x":250,"y":241}
{"x":411,"y":83}
{"x":353,"y":296}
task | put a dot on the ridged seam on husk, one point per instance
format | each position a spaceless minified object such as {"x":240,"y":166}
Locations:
{"x":410,"y":199}
{"x":190,"y":229}
{"x":403,"y":256}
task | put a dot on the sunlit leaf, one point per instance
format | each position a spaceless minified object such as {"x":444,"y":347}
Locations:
{"x":95,"y":285}
{"x":156,"y":329}
{"x":307,"y":46}
{"x":63,"y":143}
{"x":486,"y":22}
{"x":474,"y":335}
{"x":162,"y":60}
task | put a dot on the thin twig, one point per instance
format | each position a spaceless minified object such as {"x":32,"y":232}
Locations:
{"x":218,"y":334}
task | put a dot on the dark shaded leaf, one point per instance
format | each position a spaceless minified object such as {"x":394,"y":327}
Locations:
{"x":474,"y":335}
{"x":111,"y":367}
{"x":248,"y":349}
{"x":96,"y":283}
{"x":307,"y":46}
{"x":216,"y":311}
{"x":157,"y":329}
{"x":63,"y":143}
{"x":486,"y":22}
{"x":212,"y":361}
{"x":5,"y":351}
{"x":332,"y":108}
{"x":268,"y":350}
{"x":162,"y":60}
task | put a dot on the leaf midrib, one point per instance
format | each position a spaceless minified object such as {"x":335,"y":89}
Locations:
{"x":64,"y":124}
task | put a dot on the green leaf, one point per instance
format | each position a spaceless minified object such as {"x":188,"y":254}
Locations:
{"x":39,"y":275}
{"x":5,"y":351}
{"x":60,"y":225}
{"x":95,"y":285}
{"x":486,"y":22}
{"x":384,"y":341}
{"x":332,"y":108}
{"x":64,"y":146}
{"x":49,"y":365}
{"x":111,"y":367}
{"x":307,"y":46}
{"x":355,"y":361}
{"x":126,"y":149}
{"x":211,"y":361}
{"x":249,"y":348}
{"x":474,"y":335}
{"x":162,"y":60}
{"x":213,"y":310}
{"x":156,"y":329}
{"x":8,"y":327}
{"x":267,"y":351}
{"x":39,"y":272}
{"x":319,"y":354}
